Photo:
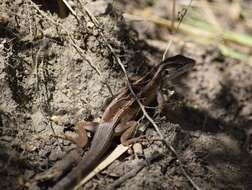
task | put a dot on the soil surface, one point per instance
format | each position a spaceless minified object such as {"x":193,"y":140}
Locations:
{"x":53,"y":63}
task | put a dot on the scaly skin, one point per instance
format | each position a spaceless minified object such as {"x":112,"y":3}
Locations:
{"x":121,"y":110}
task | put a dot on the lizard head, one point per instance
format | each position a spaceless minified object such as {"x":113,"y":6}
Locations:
{"x":176,"y":66}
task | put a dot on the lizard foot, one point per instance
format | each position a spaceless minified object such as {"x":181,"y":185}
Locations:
{"x":141,"y":138}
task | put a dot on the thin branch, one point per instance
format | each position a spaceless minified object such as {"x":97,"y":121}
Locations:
{"x":181,"y":165}
{"x":139,"y":165}
{"x":181,"y":17}
{"x":173,"y":14}
{"x":96,"y":23}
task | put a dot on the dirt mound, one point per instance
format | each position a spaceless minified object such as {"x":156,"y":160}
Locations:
{"x":62,"y":66}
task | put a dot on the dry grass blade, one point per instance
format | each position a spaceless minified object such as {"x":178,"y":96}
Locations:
{"x":182,"y":16}
{"x":202,"y":33}
{"x":69,"y":7}
{"x":119,"y":150}
{"x":209,"y":15}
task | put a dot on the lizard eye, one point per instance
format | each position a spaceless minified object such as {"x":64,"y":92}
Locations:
{"x":170,"y":70}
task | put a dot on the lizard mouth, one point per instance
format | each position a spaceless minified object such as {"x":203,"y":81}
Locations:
{"x":176,"y":71}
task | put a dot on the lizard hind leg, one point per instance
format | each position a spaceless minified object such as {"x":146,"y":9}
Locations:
{"x":127,"y":130}
{"x":81,"y":140}
{"x":82,"y":127}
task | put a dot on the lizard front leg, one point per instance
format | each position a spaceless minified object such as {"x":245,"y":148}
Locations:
{"x":160,"y":101}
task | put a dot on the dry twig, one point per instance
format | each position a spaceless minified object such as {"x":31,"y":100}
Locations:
{"x":140,"y":165}
{"x":177,"y":28}
{"x":96,"y":23}
{"x":119,"y":150}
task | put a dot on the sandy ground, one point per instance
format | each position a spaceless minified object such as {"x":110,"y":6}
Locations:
{"x":43,"y":74}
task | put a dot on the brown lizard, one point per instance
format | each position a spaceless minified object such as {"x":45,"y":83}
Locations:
{"x":118,"y":118}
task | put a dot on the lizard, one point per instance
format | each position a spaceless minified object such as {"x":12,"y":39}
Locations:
{"x":118,"y":118}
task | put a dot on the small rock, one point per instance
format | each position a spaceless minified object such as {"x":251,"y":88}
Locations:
{"x":138,"y":149}
{"x":90,"y":24}
{"x":30,"y":147}
{"x":97,"y":8}
{"x":66,"y":143}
